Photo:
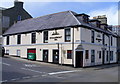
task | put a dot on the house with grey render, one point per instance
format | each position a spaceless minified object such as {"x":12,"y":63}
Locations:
{"x":62,"y":38}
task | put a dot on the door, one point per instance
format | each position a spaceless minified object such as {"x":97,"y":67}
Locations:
{"x":31,"y":54}
{"x":18,"y":52}
{"x":45,"y":55}
{"x":103,"y":57}
{"x":56,"y":56}
{"x":79,"y":58}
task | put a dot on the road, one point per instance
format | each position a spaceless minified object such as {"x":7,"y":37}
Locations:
{"x":15,"y":69}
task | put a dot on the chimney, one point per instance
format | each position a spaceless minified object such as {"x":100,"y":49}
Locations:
{"x":101,"y":18}
{"x":18,"y":4}
{"x":95,"y":22}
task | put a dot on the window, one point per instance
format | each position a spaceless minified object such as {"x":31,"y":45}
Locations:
{"x":86,"y":54}
{"x":7,"y":40}
{"x":45,"y":37}
{"x":19,"y":18}
{"x":18,"y":52}
{"x":18,"y":39}
{"x":69,"y":54}
{"x":7,"y":52}
{"x":111,"y":55}
{"x":111,"y":41}
{"x":92,"y":36}
{"x":85,"y":19}
{"x":99,"y":54}
{"x":103,"y":39}
{"x":67,"y":35}
{"x":33,"y":37}
{"x":92,"y":56}
{"x":107,"y":56}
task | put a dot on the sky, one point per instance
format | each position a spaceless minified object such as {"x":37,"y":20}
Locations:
{"x":39,"y":8}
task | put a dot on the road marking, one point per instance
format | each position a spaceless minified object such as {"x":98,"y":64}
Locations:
{"x":36,"y":76}
{"x":32,"y":70}
{"x":26,"y":77}
{"x":4,"y":81}
{"x":5,"y":63}
{"x":30,"y":65}
{"x":61,"y":72}
{"x":15,"y":79}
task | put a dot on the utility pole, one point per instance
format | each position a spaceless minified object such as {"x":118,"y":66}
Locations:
{"x":73,"y":47}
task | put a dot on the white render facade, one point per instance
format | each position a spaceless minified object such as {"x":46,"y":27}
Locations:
{"x":82,"y":37}
{"x":69,"y":40}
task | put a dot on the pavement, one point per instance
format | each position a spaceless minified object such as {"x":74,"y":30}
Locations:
{"x":15,"y":69}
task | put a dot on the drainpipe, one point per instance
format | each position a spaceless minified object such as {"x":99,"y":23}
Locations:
{"x":73,"y":48}
{"x":61,"y":56}
{"x":109,"y":49}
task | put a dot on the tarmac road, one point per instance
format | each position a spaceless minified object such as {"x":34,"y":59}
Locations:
{"x":15,"y":69}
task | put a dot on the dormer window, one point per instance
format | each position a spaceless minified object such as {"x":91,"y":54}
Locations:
{"x":95,"y":22}
{"x":83,"y":17}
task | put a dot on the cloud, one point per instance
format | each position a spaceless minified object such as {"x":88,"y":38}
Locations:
{"x":111,"y":13}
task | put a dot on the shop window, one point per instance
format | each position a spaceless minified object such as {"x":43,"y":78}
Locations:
{"x":99,"y":54}
{"x":69,"y":54}
{"x":67,"y":35}
{"x":7,"y":52}
{"x":33,"y":37}
{"x":111,"y":55}
{"x":107,"y":56}
{"x":45,"y":39}
{"x":92,"y":56}
{"x":86,"y":54}
{"x":18,"y":52}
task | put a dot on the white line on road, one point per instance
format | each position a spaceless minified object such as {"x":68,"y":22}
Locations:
{"x":61,"y":72}
{"x":4,"y":81}
{"x":36,"y":76}
{"x":5,"y":63}
{"x":15,"y":79}
{"x":26,"y":77}
{"x":32,"y":70}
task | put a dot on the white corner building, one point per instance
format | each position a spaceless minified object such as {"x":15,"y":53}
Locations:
{"x":64,"y":38}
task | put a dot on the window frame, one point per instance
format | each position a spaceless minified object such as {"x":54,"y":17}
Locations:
{"x":69,"y":55}
{"x":100,"y":54}
{"x":69,"y":35}
{"x":92,"y":36}
{"x":45,"y":37}
{"x":7,"y":40}
{"x":92,"y":55}
{"x":18,"y":39}
{"x":86,"y":54}
{"x":33,"y":37}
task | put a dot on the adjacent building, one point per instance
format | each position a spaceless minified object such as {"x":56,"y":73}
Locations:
{"x":62,"y":38}
{"x":13,"y":14}
{"x":116,"y":29}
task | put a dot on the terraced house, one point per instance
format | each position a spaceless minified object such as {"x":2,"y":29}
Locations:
{"x":63,"y":38}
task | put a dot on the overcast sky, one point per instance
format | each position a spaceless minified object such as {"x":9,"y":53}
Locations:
{"x":38,"y":8}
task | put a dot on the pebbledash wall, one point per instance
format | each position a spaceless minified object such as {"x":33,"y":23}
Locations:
{"x":82,"y":37}
{"x":94,"y":53}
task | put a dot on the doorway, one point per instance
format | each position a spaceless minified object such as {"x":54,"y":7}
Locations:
{"x":79,"y":59}
{"x":103,"y":58}
{"x":56,"y":56}
{"x":45,"y":55}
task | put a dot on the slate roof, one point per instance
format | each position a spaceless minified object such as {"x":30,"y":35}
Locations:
{"x":51,"y":21}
